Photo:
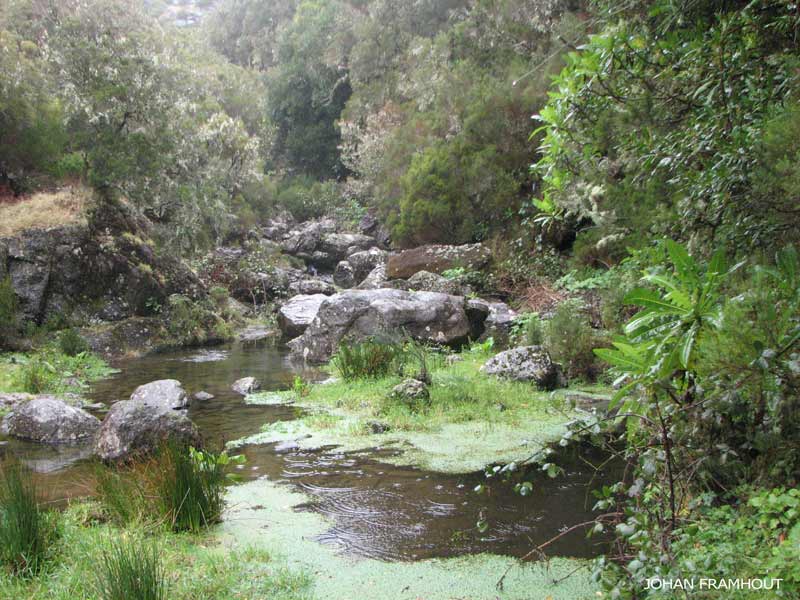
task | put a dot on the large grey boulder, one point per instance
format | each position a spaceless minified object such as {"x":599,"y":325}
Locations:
{"x":138,"y":426}
{"x":50,"y":421}
{"x":359,"y":265}
{"x":298,"y":313}
{"x":166,"y":391}
{"x":372,"y":226}
{"x":305,"y":238}
{"x":73,"y":267}
{"x":437,"y":259}
{"x":360,"y":314}
{"x":526,"y":363}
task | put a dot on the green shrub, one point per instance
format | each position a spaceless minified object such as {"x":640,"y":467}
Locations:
{"x":70,"y":165}
{"x":71,"y":343}
{"x":528,"y":330}
{"x":131,"y":571}
{"x":26,"y":533}
{"x":368,"y":359}
{"x":9,"y":318}
{"x":219,"y":295}
{"x":571,"y":340}
{"x":306,"y":199}
{"x":192,"y":322}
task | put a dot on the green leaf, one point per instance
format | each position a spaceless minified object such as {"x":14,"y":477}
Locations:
{"x":686,"y":345}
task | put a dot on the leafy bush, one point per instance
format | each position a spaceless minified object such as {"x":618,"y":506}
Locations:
{"x":9,"y":318}
{"x":71,"y":343}
{"x":191,"y":322}
{"x":367,"y":359}
{"x":708,"y":372}
{"x":219,"y":295}
{"x":38,"y":376}
{"x":626,"y":161}
{"x":306,"y":199}
{"x":26,"y":532}
{"x":571,"y":340}
{"x":131,"y":571}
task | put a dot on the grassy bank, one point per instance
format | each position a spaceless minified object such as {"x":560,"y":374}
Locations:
{"x":50,"y":371}
{"x":196,"y":566}
{"x":471,"y":420}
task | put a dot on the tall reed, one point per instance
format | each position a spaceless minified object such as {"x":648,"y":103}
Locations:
{"x":191,"y":487}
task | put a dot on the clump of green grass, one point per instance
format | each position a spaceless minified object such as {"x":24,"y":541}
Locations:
{"x":368,"y":359}
{"x":192,"y":488}
{"x":131,"y":571}
{"x":178,"y":486}
{"x":123,"y":493}
{"x":49,"y":370}
{"x":38,"y":376}
{"x":26,"y":532}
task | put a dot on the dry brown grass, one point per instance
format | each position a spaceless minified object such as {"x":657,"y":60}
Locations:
{"x":541,"y":298}
{"x":66,"y":206}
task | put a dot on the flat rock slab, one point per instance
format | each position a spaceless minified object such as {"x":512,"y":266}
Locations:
{"x":437,"y":259}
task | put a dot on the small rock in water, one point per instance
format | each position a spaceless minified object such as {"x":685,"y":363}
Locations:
{"x":95,"y":406}
{"x":203,"y":396}
{"x":246,"y":385}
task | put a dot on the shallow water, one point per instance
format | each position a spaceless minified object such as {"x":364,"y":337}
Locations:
{"x":377,"y":510}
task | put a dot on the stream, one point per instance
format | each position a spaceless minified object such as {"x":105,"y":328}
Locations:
{"x":376,"y":510}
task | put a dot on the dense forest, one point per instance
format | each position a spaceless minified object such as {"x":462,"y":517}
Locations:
{"x":632,"y":168}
